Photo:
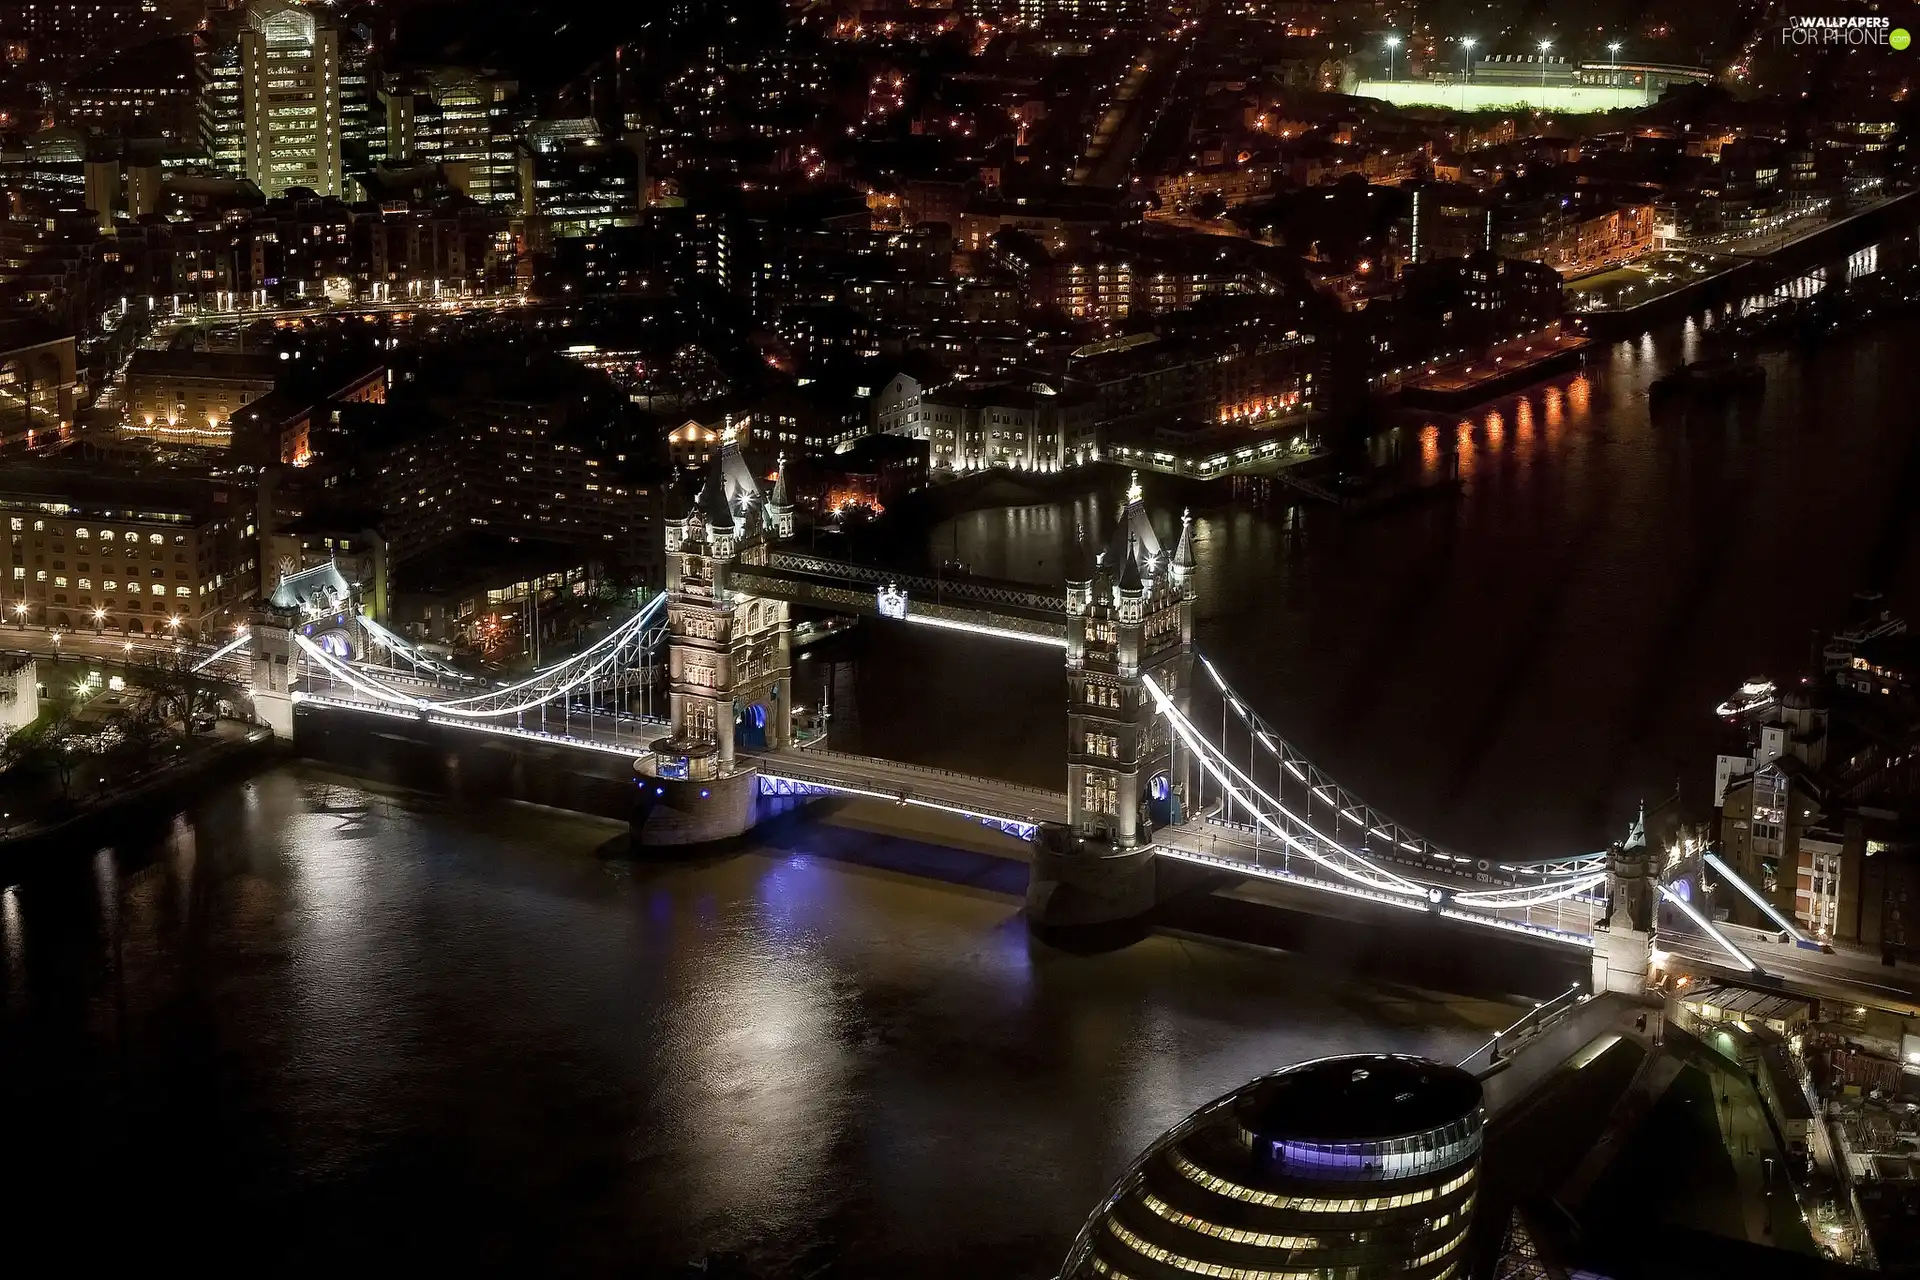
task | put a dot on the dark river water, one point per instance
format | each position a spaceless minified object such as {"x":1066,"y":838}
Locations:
{"x":313,"y":1024}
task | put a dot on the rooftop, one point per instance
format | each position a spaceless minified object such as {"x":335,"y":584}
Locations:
{"x":1361,"y":1098}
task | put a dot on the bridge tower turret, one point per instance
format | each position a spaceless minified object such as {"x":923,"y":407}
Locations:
{"x":1128,"y":618}
{"x":1080,"y":573}
{"x":729,"y":665}
{"x":1623,"y":941}
{"x":780,"y":505}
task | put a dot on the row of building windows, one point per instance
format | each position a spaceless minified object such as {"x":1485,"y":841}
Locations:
{"x":1194,"y":1266}
{"x":1267,"y":1239}
{"x":1311,"y":1204}
{"x":18,"y":525}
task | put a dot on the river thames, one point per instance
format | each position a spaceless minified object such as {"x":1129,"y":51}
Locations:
{"x":316,"y":1024}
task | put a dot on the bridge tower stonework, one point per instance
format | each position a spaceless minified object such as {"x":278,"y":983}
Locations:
{"x":275,"y":667}
{"x":729,"y":663}
{"x":1129,"y":618}
{"x":1623,"y":941}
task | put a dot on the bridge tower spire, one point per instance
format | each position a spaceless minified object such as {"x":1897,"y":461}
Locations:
{"x":729,"y":663}
{"x":1129,"y":616}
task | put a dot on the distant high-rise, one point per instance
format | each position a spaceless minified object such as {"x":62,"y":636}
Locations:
{"x":290,"y":99}
{"x":1084,"y":17}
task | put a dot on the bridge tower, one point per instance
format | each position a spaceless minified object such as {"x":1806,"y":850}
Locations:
{"x":1622,"y":943}
{"x":1129,"y":616}
{"x":275,"y":666}
{"x":729,"y":662}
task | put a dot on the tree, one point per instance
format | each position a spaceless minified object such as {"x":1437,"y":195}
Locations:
{"x":141,"y":733}
{"x":1209,"y":206}
{"x":50,"y":749}
{"x":179,"y":692}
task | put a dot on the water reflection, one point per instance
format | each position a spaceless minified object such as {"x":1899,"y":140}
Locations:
{"x":1433,"y":654}
{"x":385,"y":1013}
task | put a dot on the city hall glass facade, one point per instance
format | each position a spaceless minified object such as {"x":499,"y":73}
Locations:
{"x":1355,"y":1167}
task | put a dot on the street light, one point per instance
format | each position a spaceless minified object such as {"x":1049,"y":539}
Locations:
{"x":1393,"y":42}
{"x":1544,"y":46}
{"x":99,"y":619}
{"x":1613,"y":62}
{"x":1467,"y":43}
{"x":21,"y":611}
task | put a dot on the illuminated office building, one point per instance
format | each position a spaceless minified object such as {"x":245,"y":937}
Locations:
{"x":1357,"y":1167}
{"x":290,"y":100}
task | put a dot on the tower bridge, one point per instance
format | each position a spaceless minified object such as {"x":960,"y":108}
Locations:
{"x":1143,"y":785}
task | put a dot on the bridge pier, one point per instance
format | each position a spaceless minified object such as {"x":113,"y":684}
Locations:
{"x":274,"y":667}
{"x":1077,"y":883}
{"x":695,"y":811}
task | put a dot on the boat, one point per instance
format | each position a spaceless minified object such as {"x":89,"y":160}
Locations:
{"x":1709,"y":379}
{"x":1871,"y":619}
{"x":813,"y":631}
{"x":1752,"y":698}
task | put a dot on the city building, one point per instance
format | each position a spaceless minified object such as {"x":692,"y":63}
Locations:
{"x":120,"y":551}
{"x":482,"y":591}
{"x":463,"y":119}
{"x":574,"y":181}
{"x":36,"y":384}
{"x":1352,"y":1166}
{"x":53,"y":33}
{"x":190,"y":397}
{"x":1258,"y":375}
{"x":1817,"y":812}
{"x":275,"y":97}
{"x":1021,"y":427}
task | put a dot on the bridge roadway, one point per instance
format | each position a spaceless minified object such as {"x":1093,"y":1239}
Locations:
{"x":1842,"y":976}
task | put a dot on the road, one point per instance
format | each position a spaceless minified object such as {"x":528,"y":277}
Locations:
{"x":1848,"y":977}
{"x":912,"y":784}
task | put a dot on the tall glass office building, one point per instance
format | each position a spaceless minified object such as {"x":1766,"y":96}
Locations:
{"x":1356,"y":1167}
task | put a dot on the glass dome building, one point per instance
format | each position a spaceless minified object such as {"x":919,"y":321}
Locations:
{"x":1355,"y":1167}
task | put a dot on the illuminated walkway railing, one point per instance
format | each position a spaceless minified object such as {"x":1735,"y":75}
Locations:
{"x":1353,"y":821}
{"x":608,"y":660}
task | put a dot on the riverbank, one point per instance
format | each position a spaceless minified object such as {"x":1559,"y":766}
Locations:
{"x":1694,"y":280}
{"x":158,"y":794}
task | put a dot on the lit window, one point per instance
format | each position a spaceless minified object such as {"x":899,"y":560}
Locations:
{"x":156,"y":539}
{"x":159,"y":590}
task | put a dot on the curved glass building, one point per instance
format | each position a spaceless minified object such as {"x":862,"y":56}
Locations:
{"x":1355,"y":1167}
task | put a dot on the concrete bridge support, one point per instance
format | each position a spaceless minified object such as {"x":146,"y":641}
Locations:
{"x":274,"y":666}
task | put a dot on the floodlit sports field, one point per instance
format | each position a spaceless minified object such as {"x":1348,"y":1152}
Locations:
{"x":1463,"y":96}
